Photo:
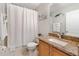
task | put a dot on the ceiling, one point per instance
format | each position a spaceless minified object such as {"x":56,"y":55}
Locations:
{"x":35,"y":6}
{"x":28,"y":5}
{"x":42,"y":7}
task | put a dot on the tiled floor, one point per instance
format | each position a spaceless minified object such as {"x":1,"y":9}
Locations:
{"x":17,"y":52}
{"x":25,"y":52}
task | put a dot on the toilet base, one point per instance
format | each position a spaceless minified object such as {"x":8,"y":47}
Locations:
{"x":32,"y":52}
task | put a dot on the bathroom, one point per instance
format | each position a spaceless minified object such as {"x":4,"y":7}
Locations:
{"x":25,"y":26}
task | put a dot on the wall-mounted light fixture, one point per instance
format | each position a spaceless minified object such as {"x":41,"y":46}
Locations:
{"x":42,"y":17}
{"x":58,"y":14}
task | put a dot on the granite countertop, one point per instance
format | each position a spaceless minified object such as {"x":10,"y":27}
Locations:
{"x":69,"y":48}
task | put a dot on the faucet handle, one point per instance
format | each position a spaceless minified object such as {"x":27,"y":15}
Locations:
{"x":58,"y":34}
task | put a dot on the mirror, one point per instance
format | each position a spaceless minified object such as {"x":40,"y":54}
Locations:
{"x":72,"y":23}
{"x":65,"y":18}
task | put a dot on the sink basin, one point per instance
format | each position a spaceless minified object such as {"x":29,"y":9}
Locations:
{"x":59,"y":42}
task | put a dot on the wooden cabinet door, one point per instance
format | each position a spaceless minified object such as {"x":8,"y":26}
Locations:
{"x":43,"y":48}
{"x":51,"y":51}
{"x":56,"y":52}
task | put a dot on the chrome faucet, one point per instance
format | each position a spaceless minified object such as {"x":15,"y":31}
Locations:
{"x":58,"y":34}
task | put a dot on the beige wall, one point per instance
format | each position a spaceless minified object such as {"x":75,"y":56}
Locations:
{"x":44,"y":24}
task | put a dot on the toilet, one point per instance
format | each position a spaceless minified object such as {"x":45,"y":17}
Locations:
{"x":31,"y":46}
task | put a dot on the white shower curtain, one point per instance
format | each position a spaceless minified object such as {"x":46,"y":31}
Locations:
{"x":30,"y":26}
{"x":15,"y":17}
{"x":18,"y":26}
{"x":11,"y":26}
{"x":22,"y":25}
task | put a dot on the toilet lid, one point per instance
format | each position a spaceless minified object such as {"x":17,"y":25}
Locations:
{"x":31,"y":44}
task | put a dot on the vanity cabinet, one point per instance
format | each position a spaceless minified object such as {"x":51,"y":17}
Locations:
{"x":43,"y":48}
{"x":46,"y":49}
{"x":56,"y":52}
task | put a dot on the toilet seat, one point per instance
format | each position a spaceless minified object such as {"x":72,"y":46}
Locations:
{"x":31,"y":45}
